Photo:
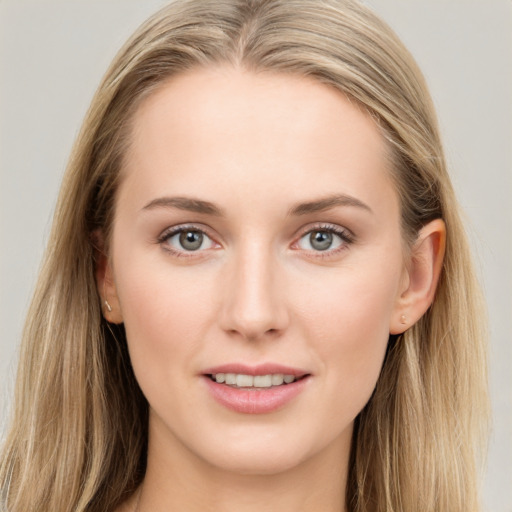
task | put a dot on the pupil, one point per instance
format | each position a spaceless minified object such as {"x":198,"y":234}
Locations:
{"x":191,"y":240}
{"x":320,"y":240}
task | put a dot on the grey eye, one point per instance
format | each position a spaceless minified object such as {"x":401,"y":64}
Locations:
{"x":321,"y":240}
{"x":187,"y":240}
{"x":191,"y":240}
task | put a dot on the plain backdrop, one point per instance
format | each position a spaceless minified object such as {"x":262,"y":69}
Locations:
{"x":53,"y":54}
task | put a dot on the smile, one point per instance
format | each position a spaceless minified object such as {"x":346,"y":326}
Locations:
{"x":240,"y":380}
{"x":260,"y":389}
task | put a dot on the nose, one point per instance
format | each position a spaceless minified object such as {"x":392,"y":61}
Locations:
{"x":254,"y":305}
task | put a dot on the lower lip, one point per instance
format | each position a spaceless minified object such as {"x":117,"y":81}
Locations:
{"x":255,"y":400}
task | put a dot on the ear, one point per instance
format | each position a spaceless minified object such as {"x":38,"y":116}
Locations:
{"x":422,"y":276}
{"x":105,"y":282}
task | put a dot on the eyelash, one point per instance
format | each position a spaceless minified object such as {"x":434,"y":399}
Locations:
{"x":163,"y":240}
{"x":347,"y":238}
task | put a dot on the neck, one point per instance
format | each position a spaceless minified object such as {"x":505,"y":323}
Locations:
{"x":183,"y":481}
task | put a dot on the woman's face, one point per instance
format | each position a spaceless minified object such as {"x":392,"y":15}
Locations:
{"x":256,"y":239}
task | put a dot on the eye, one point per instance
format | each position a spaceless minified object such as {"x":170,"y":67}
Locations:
{"x":324,"y":239}
{"x":185,"y":239}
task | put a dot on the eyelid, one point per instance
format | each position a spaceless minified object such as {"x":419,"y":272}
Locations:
{"x":345,"y":234}
{"x":174,"y":230}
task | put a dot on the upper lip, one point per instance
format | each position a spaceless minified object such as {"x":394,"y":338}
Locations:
{"x":260,"y":369}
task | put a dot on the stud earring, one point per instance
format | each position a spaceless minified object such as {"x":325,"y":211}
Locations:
{"x":108,"y":306}
{"x":403,"y":319}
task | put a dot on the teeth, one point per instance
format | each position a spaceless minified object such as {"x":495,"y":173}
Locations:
{"x":258,"y":381}
{"x":244,"y":381}
{"x":262,"y":381}
{"x":277,"y":379}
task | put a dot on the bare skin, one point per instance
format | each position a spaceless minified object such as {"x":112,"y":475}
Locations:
{"x":256,"y":223}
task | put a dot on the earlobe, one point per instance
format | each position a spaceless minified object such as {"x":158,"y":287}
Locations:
{"x":105,"y":282}
{"x":426,"y":261}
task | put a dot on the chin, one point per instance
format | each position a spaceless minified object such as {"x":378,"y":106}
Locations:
{"x":263,"y":462}
{"x":263,"y":453}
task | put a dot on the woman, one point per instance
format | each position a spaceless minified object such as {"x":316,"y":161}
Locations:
{"x":257,"y":291}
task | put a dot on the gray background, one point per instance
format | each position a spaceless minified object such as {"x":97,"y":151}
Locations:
{"x":53,"y":54}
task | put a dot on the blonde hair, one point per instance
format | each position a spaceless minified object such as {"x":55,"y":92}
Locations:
{"x":79,"y":429}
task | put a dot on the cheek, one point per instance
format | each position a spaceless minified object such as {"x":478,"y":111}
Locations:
{"x":348,"y":322}
{"x":166,"y":313}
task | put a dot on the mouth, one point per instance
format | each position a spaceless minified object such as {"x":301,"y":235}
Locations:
{"x":245,"y":381}
{"x":258,"y":389}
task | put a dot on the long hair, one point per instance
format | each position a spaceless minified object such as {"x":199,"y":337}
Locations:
{"x":79,"y":428}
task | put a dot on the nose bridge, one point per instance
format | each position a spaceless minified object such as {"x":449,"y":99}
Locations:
{"x":254,"y":305}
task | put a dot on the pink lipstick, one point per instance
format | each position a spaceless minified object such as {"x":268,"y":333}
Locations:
{"x":257,"y":389}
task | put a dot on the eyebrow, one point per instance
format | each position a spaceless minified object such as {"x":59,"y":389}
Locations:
{"x":327,"y":203}
{"x":185,"y":203}
{"x":207,"y":208}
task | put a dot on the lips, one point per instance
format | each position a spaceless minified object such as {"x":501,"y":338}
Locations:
{"x":255,"y":389}
{"x":261,"y":369}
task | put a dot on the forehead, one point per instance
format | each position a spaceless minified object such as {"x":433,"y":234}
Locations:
{"x":239,"y":130}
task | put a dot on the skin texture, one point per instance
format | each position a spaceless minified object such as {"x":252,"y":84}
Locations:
{"x":257,"y":291}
